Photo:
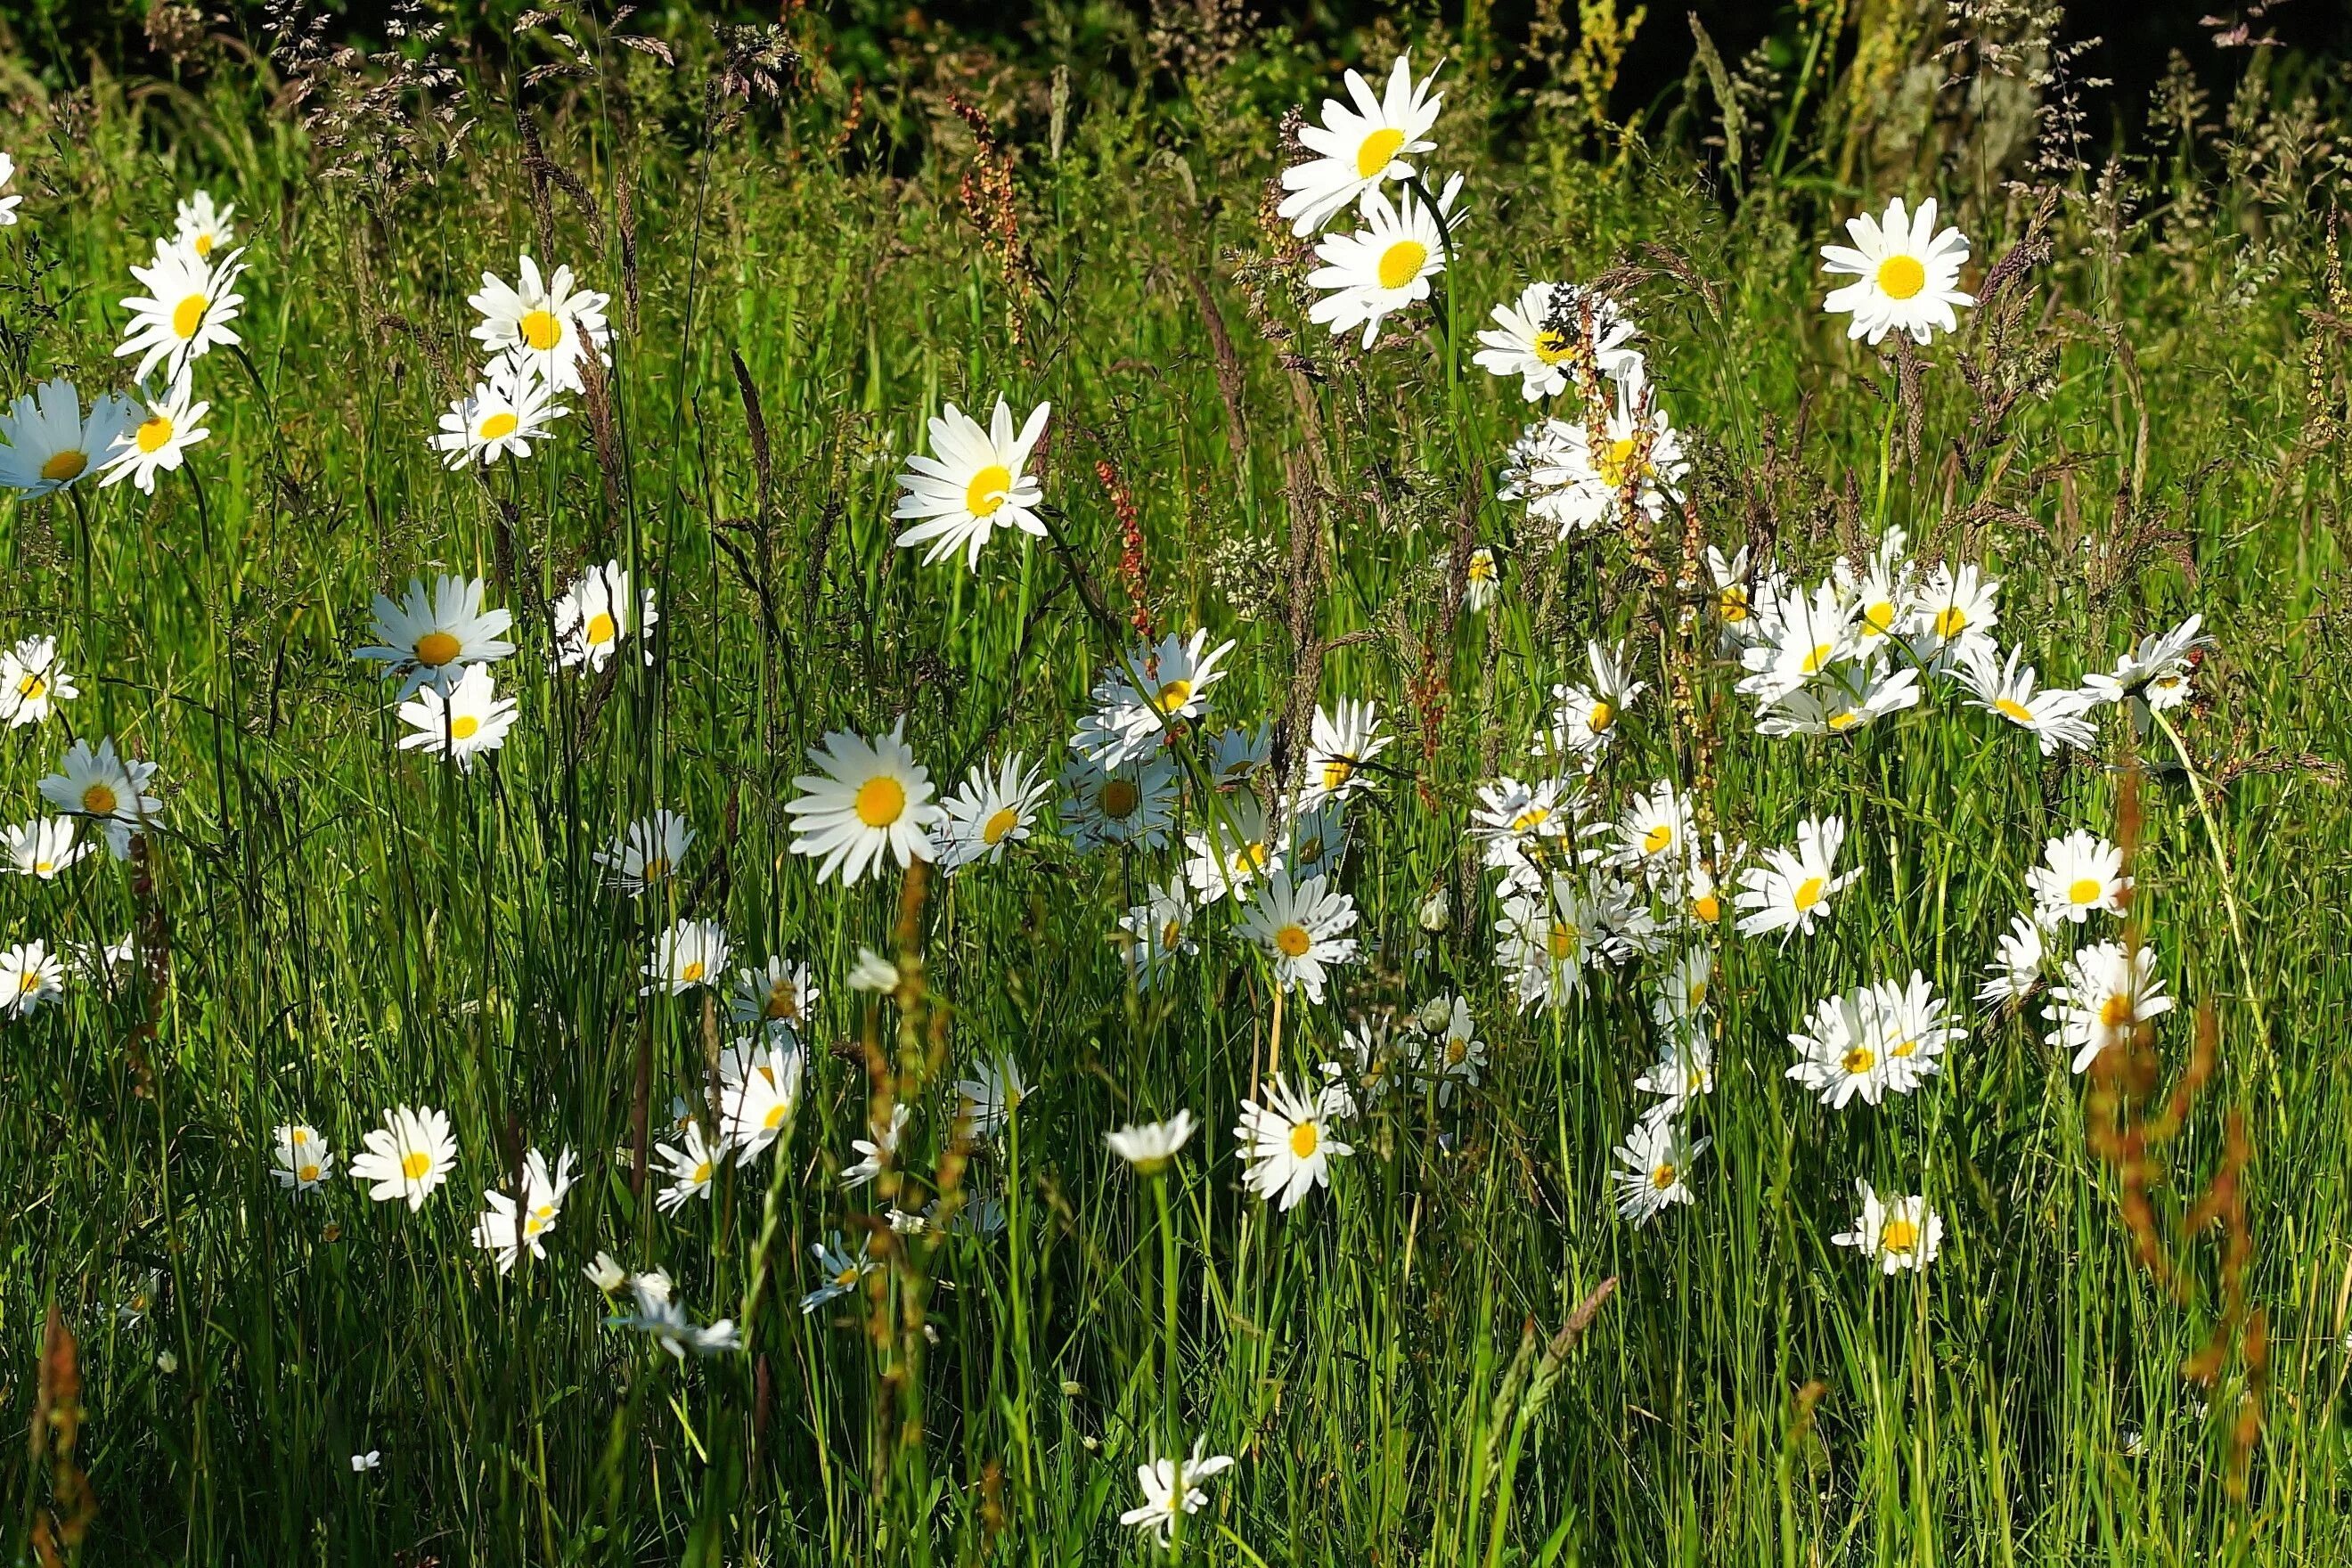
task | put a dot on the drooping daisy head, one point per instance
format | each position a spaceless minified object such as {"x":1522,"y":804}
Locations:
{"x":1907,"y":273}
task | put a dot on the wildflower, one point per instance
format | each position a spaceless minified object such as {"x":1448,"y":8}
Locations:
{"x":691,"y":1167}
{"x":2079,"y":874}
{"x":1454,"y":1056}
{"x":49,"y":444}
{"x":511,"y":1227}
{"x":692,"y":953}
{"x":1584,"y":718}
{"x":511,"y":407}
{"x":1526,"y":830}
{"x":659,"y":1314}
{"x":8,"y":203}
{"x":872,"y":972}
{"x":407,"y":1157}
{"x":1287,"y":1145}
{"x":431,"y":637}
{"x":2155,"y":672}
{"x":1908,"y":273}
{"x":1481,"y":580}
{"x":1157,"y":932}
{"x":30,"y":977}
{"x":972,"y":485}
{"x":111,"y":790}
{"x":871,"y":801}
{"x":185,"y":312}
{"x":1385,"y":267}
{"x":991,"y":1095}
{"x":1357,"y":149}
{"x":1368,"y":1068}
{"x":1555,"y":330}
{"x":1684,"y":1071}
{"x":1149,"y":1146}
{"x":777,"y":995}
{"x":1231,"y":850}
{"x":1237,"y":756}
{"x":544,"y":327}
{"x":303,"y":1158}
{"x":2016,"y":968}
{"x":1577,"y":484}
{"x":838,"y":1272}
{"x":200,"y":227}
{"x":877,"y":1151}
{"x":605,"y":1274}
{"x":597,"y":615}
{"x":363,"y":1463}
{"x":649,"y":854}
{"x":1913,"y":1030}
{"x":1791,"y":890}
{"x":1657,"y":1155}
{"x":1684,"y":989}
{"x":1840,"y":1051}
{"x":461,"y":722}
{"x":1803,"y":644}
{"x":760,"y":1090}
{"x":988,"y":812}
{"x":1105,"y":807}
{"x":157,"y":443}
{"x":1300,"y":929}
{"x":1953,"y":615}
{"x":1138,"y":701}
{"x":2105,"y":993}
{"x":1653,"y":836}
{"x":1896,"y":1236}
{"x":44,"y":847}
{"x":1549,"y":935}
{"x":1170,"y":1491}
{"x":1849,"y":696}
{"x":2055,"y":717}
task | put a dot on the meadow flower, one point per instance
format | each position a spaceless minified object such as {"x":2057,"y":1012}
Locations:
{"x":1802,"y":642}
{"x":303,"y":1158}
{"x":511,"y":407}
{"x":110,"y":789}
{"x":1791,"y":890}
{"x":972,"y":485}
{"x":2155,"y":672}
{"x":1356,"y":149}
{"x":1236,"y":756}
{"x":597,"y":614}
{"x":1384,"y":267}
{"x":1656,"y":1157}
{"x":1701,"y":895}
{"x":97,"y":960}
{"x":30,"y":975}
{"x":760,"y":1092}
{"x":1453,"y":1056}
{"x":10,"y":201}
{"x":2055,"y":717}
{"x":838,"y":1272}
{"x":547,"y":326}
{"x":1341,"y":741}
{"x":185,"y":312}
{"x":2079,"y":874}
{"x":604,"y":1273}
{"x":648,"y":855}
{"x":1849,"y":696}
{"x":1879,"y":597}
{"x":1577,"y":479}
{"x":1743,"y":608}
{"x":1301,"y":929}
{"x":658,"y":1313}
{"x":1840,"y":1051}
{"x":43,"y":847}
{"x":1654,"y":834}
{"x":1526,"y":831}
{"x":1904,"y":1234}
{"x":1231,"y":850}
{"x":2016,"y":967}
{"x":1913,"y":1030}
{"x":1547,"y":938}
{"x":1482,"y":579}
{"x":1368,"y":1066}
{"x":1105,"y":807}
{"x":692,"y":953}
{"x":461,"y":722}
{"x":991,"y":1095}
{"x":159,"y":439}
{"x":1684,"y":1071}
{"x":875,"y":1152}
{"x":200,"y":227}
{"x":1584,"y":718}
{"x":692,"y":1166}
{"x":1157,"y":932}
{"x":363,"y":1463}
{"x":1314,"y":839}
{"x":510,"y":1227}
{"x":871,"y":801}
{"x":777,"y":995}
{"x":873,"y":973}
{"x":1684,"y":989}
{"x":1169,"y":1490}
{"x":49,"y":444}
{"x":1148,"y":1146}
{"x":989,"y":812}
{"x":1287,"y":1145}
{"x":1953,"y":616}
{"x":1139,"y":700}
{"x":2105,"y":993}
{"x":433,"y":637}
{"x":1908,"y":272}
{"x":1555,"y":330}
{"x":407,"y":1157}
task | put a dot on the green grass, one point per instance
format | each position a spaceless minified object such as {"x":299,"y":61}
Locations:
{"x":335,"y":927}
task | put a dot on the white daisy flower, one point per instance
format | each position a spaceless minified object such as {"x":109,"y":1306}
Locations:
{"x":1547,"y":939}
{"x":200,"y":227}
{"x":432,"y":636}
{"x":1384,"y":267}
{"x":1908,"y":272}
{"x":110,"y":789}
{"x":1584,"y":718}
{"x":1236,"y":757}
{"x":1684,"y":1072}
{"x":1577,"y":484}
{"x":777,"y":996}
{"x":597,"y":614}
{"x":511,"y":1227}
{"x":303,"y":1158}
{"x":659,"y":1314}
{"x":1453,"y":1057}
{"x":30,"y":977}
{"x":838,"y":1272}
{"x":1849,"y":696}
{"x":1357,"y":149}
{"x":873,"y":973}
{"x":871,"y":802}
{"x":2079,"y":875}
{"x":649,"y":854}
{"x":1140,"y":702}
{"x":1840,"y":1051}
{"x":2105,"y":993}
{"x":511,"y":407}
{"x":9,"y":202}
{"x":972,"y":485}
{"x":1654,"y":834}
{"x":158,"y":441}
{"x":1158,"y":932}
{"x":692,"y":1165}
{"x":1288,"y":1144}
{"x":991,"y":1095}
{"x":2056,"y":717}
{"x":1482,"y":579}
{"x":407,"y":1157}
{"x":2156,"y":671}
{"x":1232,"y":850}
{"x":1656,"y":1157}
{"x":1953,"y":616}
{"x":33,"y":682}
{"x":545,"y":326}
{"x":185,"y":312}
{"x":1341,"y":742}
{"x":1791,"y":890}
{"x":1903,"y":1235}
{"x":1555,"y":329}
{"x":1684,"y":990}
{"x":604,"y":1273}
{"x":1149,"y":1146}
{"x":460,"y":723}
{"x":50,"y":444}
{"x":1807,"y":642}
{"x":44,"y":847}
{"x":877,"y":1151}
{"x":1171,"y":1490}
{"x":1527,"y":831}
{"x":989,"y":812}
{"x":1913,"y":1030}
{"x":760,"y":1092}
{"x":1301,"y":929}
{"x":1105,"y":807}
{"x":692,"y":953}
{"x":2016,"y":968}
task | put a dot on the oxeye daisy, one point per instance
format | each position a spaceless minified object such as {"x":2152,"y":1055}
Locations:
{"x":1684,"y":1071}
{"x":649,"y":854}
{"x":1141,"y":700}
{"x":1913,"y":1030}
{"x":2156,"y":671}
{"x":1358,"y":148}
{"x":303,"y":1158}
{"x":2079,"y":875}
{"x":1806,"y":643}
{"x":30,"y":977}
{"x":1880,"y":596}
{"x":1684,"y":990}
{"x":460,"y":723}
{"x":1482,"y":579}
{"x":1236,"y":757}
{"x":510,"y":1227}
{"x":761,"y":1091}
{"x":777,"y":996}
{"x":546,"y":326}
{"x":1453,"y":1057}
{"x":511,"y":407}
{"x":1840,"y":1051}
{"x":44,"y":847}
{"x":597,"y":614}
{"x":2016,"y":967}
{"x":1302,"y":930}
{"x":2054,"y":716}
{"x":2106,"y":991}
{"x":185,"y":312}
{"x":1791,"y":890}
{"x":991,"y":1096}
{"x":1526,"y":830}
{"x":1654,"y":834}
{"x":1341,"y":742}
{"x":692,"y":1165}
{"x":659,"y":1314}
{"x":973,"y":484}
{"x":989,"y":812}
{"x":433,"y":637}
{"x":1555,"y":330}
{"x":1150,"y":1145}
{"x":871,"y":801}
{"x":877,"y":1151}
{"x":1230,"y":849}
{"x":1577,"y":478}
{"x":9,"y":200}
{"x":1656,"y":1160}
{"x":407,"y":1157}
{"x":1849,"y":696}
{"x":1172,"y":1490}
{"x":1287,"y":1143}
{"x":1103,"y":808}
{"x":1904,"y":1234}
{"x":1547,"y":938}
{"x":33,"y":682}
{"x":838,"y":1272}
{"x":692,"y":953}
{"x":1384,"y":267}
{"x":1953,"y":616}
{"x":1584,"y":718}
{"x":1157,"y":932}
{"x":1907,"y":273}
{"x":110,"y":789}
{"x":200,"y":227}
{"x":157,"y":440}
{"x":1314,"y":838}
{"x":49,"y":444}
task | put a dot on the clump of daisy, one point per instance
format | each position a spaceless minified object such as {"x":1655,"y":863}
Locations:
{"x":1287,"y":1142}
{"x":1896,"y":1236}
{"x":870,"y":801}
{"x":973,"y":484}
{"x":1906,"y":272}
{"x":410,"y":1155}
{"x":462,"y":722}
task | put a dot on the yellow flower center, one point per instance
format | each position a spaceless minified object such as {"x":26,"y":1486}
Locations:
{"x":783,"y":1001}
{"x":1662,"y":1177}
{"x":1950,"y":622}
{"x":693,"y":972}
{"x":1844,"y":720}
{"x":1901,"y":276}
{"x":992,"y":831}
{"x":43,"y":867}
{"x":1120,"y":799}
{"x":654,"y":869}
{"x":987,"y":492}
{"x":1601,"y":716}
{"x":1905,"y":1050}
{"x":1337,"y":773}
{"x":464,"y":726}
{"x":188,"y":315}
{"x":1561,"y":940}
{"x":30,"y":980}
{"x":1171,"y":696}
{"x":701,"y":1173}
{"x":154,"y":433}
{"x":775,"y":1117}
{"x":1304,"y":1139}
{"x":1292,"y":942}
{"x":2116,"y":1010}
{"x":2084,"y":890}
{"x":1482,"y":568}
{"x":1552,"y":346}
{"x":1707,"y":906}
{"x":299,"y":1137}
{"x":1859,"y":1060}
{"x":503,"y":423}
{"x":1899,"y":1235}
{"x":542,"y":330}
{"x":846,"y":1278}
{"x":99,"y":800}
{"x":1657,"y":838}
{"x":436,"y":648}
{"x":414,"y":1164}
{"x":202,"y":245}
{"x":32,"y":688}
{"x":306,"y":1174}
{"x":2010,"y":709}
{"x":1809,"y":891}
{"x":1377,"y":151}
{"x":1401,"y":262}
{"x":601,"y":629}
{"x":1878,"y":619}
{"x":1616,"y":464}
{"x":1527,"y":821}
{"x":1172,"y":933}
{"x":66,"y":465}
{"x":881,"y":801}
{"x":1822,"y":654}
{"x":1732,"y":604}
